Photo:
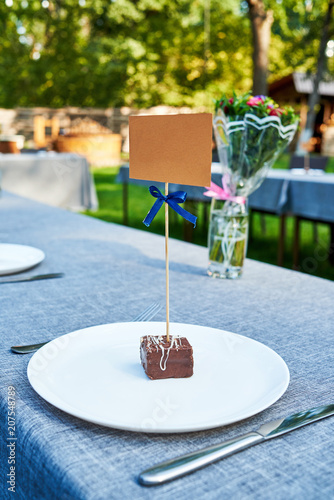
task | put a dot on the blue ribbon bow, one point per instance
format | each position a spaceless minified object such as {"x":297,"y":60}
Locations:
{"x":173,"y":200}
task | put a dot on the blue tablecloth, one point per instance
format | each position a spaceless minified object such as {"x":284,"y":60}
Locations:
{"x":283,"y":191}
{"x":112,"y":272}
{"x":301,"y":194}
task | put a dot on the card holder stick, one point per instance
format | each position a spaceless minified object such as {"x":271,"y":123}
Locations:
{"x":167,"y":263}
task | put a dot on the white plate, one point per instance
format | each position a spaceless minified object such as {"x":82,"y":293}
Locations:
{"x":16,"y":258}
{"x":95,"y":374}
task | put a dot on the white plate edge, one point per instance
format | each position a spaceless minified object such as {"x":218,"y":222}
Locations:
{"x":87,"y":418}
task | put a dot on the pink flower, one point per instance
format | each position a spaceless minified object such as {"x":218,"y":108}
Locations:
{"x":230,"y":101}
{"x":255,"y":101}
{"x":276,"y":112}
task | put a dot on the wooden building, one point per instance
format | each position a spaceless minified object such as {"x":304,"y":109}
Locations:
{"x":294,"y":89}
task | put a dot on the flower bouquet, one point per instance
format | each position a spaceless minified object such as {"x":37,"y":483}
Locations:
{"x":251,"y":132}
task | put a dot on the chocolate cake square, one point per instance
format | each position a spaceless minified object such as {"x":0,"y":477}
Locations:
{"x":162,"y":359}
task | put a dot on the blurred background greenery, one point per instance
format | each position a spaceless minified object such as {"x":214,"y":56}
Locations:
{"x":141,"y":53}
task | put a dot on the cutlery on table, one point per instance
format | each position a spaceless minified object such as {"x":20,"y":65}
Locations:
{"x":180,"y":466}
{"x":146,"y":315}
{"x":31,"y":278}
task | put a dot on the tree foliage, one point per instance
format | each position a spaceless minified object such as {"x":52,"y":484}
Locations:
{"x":296,"y":34}
{"x":142,"y":52}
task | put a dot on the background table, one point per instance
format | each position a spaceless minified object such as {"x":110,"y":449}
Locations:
{"x":304,"y":195}
{"x":282,"y":193}
{"x":301,"y":195}
{"x":58,"y":179}
{"x":112,"y":272}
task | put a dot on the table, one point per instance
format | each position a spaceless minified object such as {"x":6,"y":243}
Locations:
{"x":58,"y":179}
{"x":111,"y":273}
{"x":283,"y":192}
{"x":303,"y":196}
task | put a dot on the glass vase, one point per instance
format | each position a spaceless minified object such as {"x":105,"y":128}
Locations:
{"x":227,"y":239}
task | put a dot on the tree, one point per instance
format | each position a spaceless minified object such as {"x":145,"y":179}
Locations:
{"x":142,"y":53}
{"x":285,"y":37}
{"x":314,"y":96}
{"x":261,"y":22}
{"x":126,"y":52}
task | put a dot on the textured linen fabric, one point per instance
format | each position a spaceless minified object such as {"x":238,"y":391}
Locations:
{"x":58,"y":179}
{"x":112,"y":272}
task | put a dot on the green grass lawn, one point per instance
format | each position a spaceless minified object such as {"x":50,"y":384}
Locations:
{"x":262,"y":245}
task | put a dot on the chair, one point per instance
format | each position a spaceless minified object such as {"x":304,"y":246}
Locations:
{"x":308,"y":162}
{"x":45,"y":131}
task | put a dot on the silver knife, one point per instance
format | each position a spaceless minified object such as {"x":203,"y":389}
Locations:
{"x":31,"y":278}
{"x":180,"y":466}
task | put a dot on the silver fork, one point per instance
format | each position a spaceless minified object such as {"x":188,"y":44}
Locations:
{"x":146,"y":315}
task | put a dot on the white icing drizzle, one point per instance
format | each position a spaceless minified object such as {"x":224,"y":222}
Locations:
{"x":157,"y":342}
